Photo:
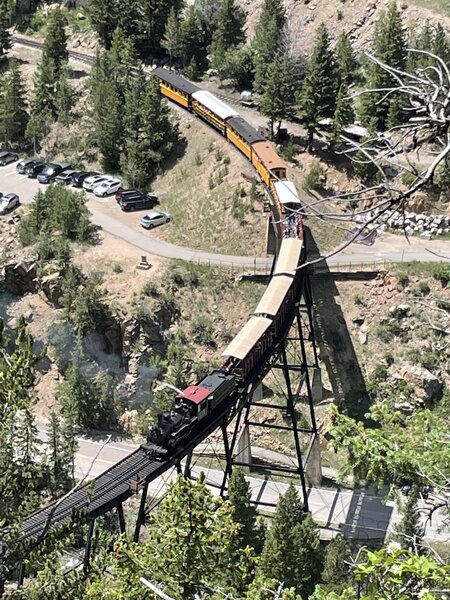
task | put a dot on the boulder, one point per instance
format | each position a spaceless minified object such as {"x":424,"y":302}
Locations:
{"x":51,"y":287}
{"x":20,"y":278}
{"x":426,"y":385}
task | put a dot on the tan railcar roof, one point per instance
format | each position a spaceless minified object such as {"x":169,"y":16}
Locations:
{"x":248,"y":336}
{"x":289,"y":256}
{"x":268,"y":156}
{"x":274,"y":295}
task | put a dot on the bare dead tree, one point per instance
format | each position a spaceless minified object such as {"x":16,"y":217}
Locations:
{"x":418,"y":146}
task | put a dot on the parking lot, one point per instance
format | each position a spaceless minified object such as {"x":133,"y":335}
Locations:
{"x":26,"y":188}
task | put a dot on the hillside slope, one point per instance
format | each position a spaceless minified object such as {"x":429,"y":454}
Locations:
{"x":356,"y":17}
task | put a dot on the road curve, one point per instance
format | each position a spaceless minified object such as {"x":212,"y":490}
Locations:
{"x":157,"y":247}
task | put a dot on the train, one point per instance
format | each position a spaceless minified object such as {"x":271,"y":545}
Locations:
{"x":270,"y":321}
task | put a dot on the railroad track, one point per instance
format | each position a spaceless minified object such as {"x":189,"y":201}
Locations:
{"x":88,"y":59}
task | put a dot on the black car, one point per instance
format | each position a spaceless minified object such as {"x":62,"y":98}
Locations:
{"x":22,"y":165}
{"x":131,"y":199}
{"x":79,"y":176}
{"x":7,"y":157}
{"x":137,"y":201}
{"x":35,"y":168}
{"x":48,"y":174}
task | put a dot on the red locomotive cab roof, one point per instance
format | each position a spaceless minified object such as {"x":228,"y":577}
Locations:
{"x":195,"y":393}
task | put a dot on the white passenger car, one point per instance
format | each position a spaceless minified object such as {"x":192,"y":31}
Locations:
{"x":155,"y":218}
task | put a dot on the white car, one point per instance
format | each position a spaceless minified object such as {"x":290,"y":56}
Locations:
{"x":155,"y":218}
{"x":107,"y":187}
{"x":91,"y":182}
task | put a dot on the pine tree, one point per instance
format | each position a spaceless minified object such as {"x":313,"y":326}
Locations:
{"x":172,"y":40}
{"x":153,"y":15}
{"x":77,"y":392}
{"x":45,"y":82}
{"x":336,"y":566}
{"x":318,"y":95}
{"x":440,"y":45}
{"x":60,"y":456}
{"x":267,"y":40}
{"x":239,"y":67}
{"x":103,"y":16}
{"x":109,"y":129}
{"x":63,"y":100}
{"x":278,"y":99}
{"x":55,"y":43}
{"x":389,"y":48}
{"x":153,"y":135}
{"x":346,"y":63}
{"x":343,"y":114}
{"x":5,"y":36}
{"x":13,"y":113}
{"x":409,"y":531}
{"x":229,"y":32}
{"x":244,"y":512}
{"x":208,"y":12}
{"x":292,"y":548}
{"x":423,"y":40}
{"x":191,"y":35}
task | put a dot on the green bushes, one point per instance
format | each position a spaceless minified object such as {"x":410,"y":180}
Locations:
{"x":316,"y":178}
{"x":386,"y":331}
{"x":202,"y":330}
{"x":57,"y":212}
{"x":442,"y":274}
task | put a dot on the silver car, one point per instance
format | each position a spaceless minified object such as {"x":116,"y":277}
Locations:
{"x":155,"y":218}
{"x":8,"y":202}
{"x":7,"y":157}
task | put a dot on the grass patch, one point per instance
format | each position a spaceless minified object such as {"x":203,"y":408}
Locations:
{"x":200,"y":191}
{"x":415,"y":269}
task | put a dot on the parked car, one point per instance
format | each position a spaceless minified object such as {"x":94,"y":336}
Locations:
{"x":137,"y":202}
{"x":65,"y":177}
{"x":107,"y":187}
{"x":133,"y":194}
{"x":90,"y":182}
{"x":78,"y":177}
{"x":7,"y":157}
{"x":8,"y":202}
{"x":35,"y":168}
{"x":23,"y":164}
{"x":48,"y":174}
{"x":155,"y":218}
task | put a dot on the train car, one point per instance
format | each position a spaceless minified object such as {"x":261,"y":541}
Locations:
{"x":175,"y":87}
{"x":266,"y":161}
{"x":212,"y":110}
{"x":289,"y":257}
{"x":277,"y":301}
{"x":247,"y":348}
{"x":242,"y":135}
{"x":286,"y":196}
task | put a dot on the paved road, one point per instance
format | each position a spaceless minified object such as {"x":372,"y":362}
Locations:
{"x":107,"y":215}
{"x":358,"y":513}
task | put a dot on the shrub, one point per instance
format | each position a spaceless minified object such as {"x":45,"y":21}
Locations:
{"x":202,"y":330}
{"x":219,"y":155}
{"x":386,"y":331}
{"x":288,"y":151}
{"x":149,"y":289}
{"x":403,"y":281}
{"x":442,"y":274}
{"x":198,"y":159}
{"x":407,"y":178}
{"x":358,"y":300}
{"x":316,"y":178}
{"x":117,"y":268}
{"x":339,"y":15}
{"x":422,"y":289}
{"x":182,"y":274}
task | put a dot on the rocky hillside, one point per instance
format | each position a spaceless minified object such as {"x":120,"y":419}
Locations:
{"x":356,"y":17}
